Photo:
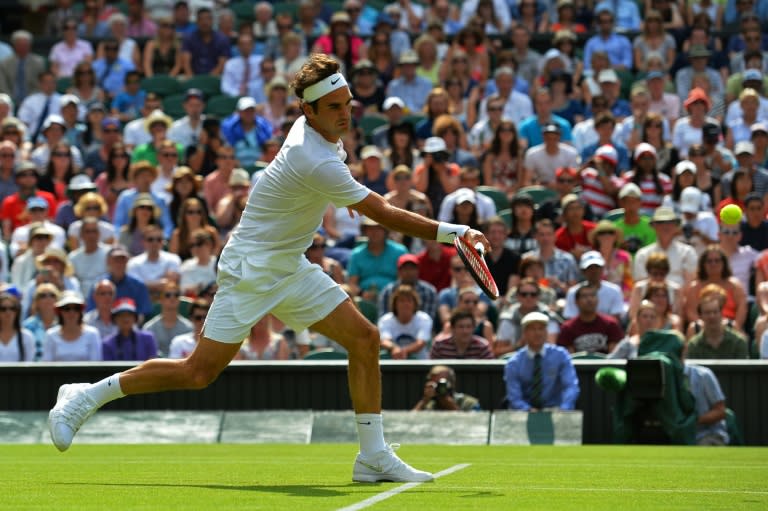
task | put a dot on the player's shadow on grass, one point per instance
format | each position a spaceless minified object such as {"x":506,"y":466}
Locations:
{"x":295,"y":490}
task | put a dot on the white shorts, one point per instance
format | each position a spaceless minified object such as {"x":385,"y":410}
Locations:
{"x":248,"y":291}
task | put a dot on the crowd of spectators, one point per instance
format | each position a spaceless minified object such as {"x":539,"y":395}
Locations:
{"x":597,"y":168}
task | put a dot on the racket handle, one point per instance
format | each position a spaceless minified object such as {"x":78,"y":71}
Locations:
{"x":480,"y":248}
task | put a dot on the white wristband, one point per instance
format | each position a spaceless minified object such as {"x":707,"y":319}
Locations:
{"x":447,"y":232}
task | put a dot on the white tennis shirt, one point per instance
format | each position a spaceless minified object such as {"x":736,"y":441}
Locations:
{"x":286,"y":205}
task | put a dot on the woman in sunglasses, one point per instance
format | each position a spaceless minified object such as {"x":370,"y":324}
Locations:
{"x":42,"y":315}
{"x":193,"y":215}
{"x":16,"y":344}
{"x":71,"y":340}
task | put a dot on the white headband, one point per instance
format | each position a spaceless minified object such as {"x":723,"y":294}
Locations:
{"x":323,"y":87}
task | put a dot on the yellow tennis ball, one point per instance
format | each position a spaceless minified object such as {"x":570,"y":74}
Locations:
{"x":730,"y":214}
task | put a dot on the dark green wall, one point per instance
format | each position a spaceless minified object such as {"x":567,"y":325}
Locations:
{"x":323,"y":386}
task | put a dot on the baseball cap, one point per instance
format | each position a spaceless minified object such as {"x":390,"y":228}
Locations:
{"x":70,"y":298}
{"x":608,"y":153}
{"x":553,"y":53}
{"x":405,"y":259}
{"x":551,"y":127}
{"x":744,"y":147}
{"x":245,"y":103}
{"x":654,"y":75}
{"x":465,"y":195}
{"x":690,"y":200}
{"x":25,"y":166}
{"x":371,"y":151}
{"x":591,"y":258}
{"x":504,"y":70}
{"x":124,"y":305}
{"x":69,"y":99}
{"x":401,"y":169}
{"x":608,"y":75}
{"x":751,"y":75}
{"x":54,"y":119}
{"x":630,"y":190}
{"x":759,"y":127}
{"x":118,"y":251}
{"x":685,"y":166}
{"x":644,"y":148}
{"x":534,"y":317}
{"x":434,"y":145}
{"x":340,"y":17}
{"x":110,"y":121}
{"x":96,"y":105}
{"x":39,"y":229}
{"x":393,"y":101}
{"x":194,"y":93}
{"x":697,"y":94}
{"x":568,"y":200}
{"x":711,"y":129}
{"x":37,"y":202}
{"x":239,"y":177}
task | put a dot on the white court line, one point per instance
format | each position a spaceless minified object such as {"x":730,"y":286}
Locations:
{"x":400,"y":489}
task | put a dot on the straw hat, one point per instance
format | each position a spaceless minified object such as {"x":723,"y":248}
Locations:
{"x":605,"y":226}
{"x":145,"y":199}
{"x":55,"y":253}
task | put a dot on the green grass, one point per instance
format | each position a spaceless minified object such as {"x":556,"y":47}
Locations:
{"x":317,"y":477}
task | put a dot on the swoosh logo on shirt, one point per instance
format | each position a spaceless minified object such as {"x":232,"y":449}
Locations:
{"x":335,"y":82}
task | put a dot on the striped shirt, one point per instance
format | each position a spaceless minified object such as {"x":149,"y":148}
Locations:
{"x":593,"y":192}
{"x":479,"y":348}
{"x":651,"y":198}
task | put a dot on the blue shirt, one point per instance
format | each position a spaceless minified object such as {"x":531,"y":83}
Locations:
{"x":375,"y":270}
{"x":618,"y":48}
{"x":560,"y":384}
{"x":530,"y":129}
{"x":129,"y":103}
{"x":706,"y":393}
{"x":125,"y":203}
{"x":128,"y":288}
{"x":139,"y":346}
{"x":205,"y":56}
{"x":111,"y":77}
{"x":414,"y":93}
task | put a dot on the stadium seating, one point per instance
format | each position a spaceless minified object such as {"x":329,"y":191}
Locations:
{"x":174,"y":106}
{"x":614,"y":215}
{"x":162,"y":85}
{"x":538,"y":193}
{"x":221,"y":106}
{"x":210,"y":85}
{"x":325,"y":354}
{"x":498,"y":196}
{"x":63,"y":83}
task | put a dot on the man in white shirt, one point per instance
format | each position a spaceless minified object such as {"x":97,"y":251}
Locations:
{"x":542,"y":161}
{"x":242,"y":74}
{"x":200,"y":270}
{"x":517,"y":106}
{"x":90,"y":259}
{"x":37,"y":213}
{"x":186,"y":131}
{"x":154,"y":266}
{"x":38,"y":106}
{"x":682,"y":258}
{"x":610,"y":299}
{"x":135,"y":133}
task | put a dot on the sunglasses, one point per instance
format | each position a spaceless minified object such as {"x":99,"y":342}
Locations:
{"x":60,"y":154}
{"x":172,"y":295}
{"x":104,"y":293}
{"x":114,"y":130}
{"x":193,"y":212}
{"x":196,"y":244}
{"x":46,"y":295}
{"x":495,"y":109}
{"x":527,"y":294}
{"x":472,"y":302}
{"x":713,"y":261}
{"x":402,"y":177}
{"x":169,"y":155}
{"x":153,"y":239}
{"x":730,"y":232}
{"x":5,"y":308}
{"x":70,"y":308}
{"x":7,"y":155}
{"x":93,"y":206}
{"x":566,"y":181}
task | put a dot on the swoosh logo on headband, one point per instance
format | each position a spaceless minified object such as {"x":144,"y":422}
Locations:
{"x":335,"y":82}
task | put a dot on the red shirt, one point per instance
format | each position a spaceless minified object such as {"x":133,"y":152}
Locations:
{"x":437,"y":273}
{"x":13,"y":208}
{"x":596,"y":336}
{"x":565,"y":240}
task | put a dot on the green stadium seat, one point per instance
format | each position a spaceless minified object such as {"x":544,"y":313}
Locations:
{"x":506,"y":215}
{"x":221,"y":106}
{"x":369,"y":309}
{"x":538,"y":193}
{"x":291,"y":8}
{"x":63,"y":83}
{"x":498,"y":196}
{"x":162,"y":85}
{"x":243,"y":11}
{"x":325,"y":354}
{"x":368,"y":123}
{"x":210,"y":85}
{"x":174,"y":106}
{"x":414,"y":119}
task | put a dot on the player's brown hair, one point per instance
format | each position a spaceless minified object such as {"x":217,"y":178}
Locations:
{"x":318,"y":67}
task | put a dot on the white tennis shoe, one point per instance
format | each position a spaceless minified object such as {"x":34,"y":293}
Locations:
{"x":386,"y":466}
{"x":73,"y":407}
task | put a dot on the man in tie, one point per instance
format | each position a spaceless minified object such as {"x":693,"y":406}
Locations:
{"x":38,"y":106}
{"x":241,"y":75}
{"x":540,"y":376}
{"x":19,"y":72}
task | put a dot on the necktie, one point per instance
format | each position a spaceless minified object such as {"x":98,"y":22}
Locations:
{"x":20,"y":88}
{"x":246,"y":76}
{"x":536,"y":382}
{"x":41,"y":120}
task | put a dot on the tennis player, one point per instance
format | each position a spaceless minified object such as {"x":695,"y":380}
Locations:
{"x":262,"y":269}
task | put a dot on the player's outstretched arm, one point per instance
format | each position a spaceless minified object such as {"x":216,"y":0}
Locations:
{"x":374,"y":206}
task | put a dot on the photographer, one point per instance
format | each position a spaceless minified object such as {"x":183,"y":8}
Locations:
{"x":437,"y":176}
{"x":440,"y":394}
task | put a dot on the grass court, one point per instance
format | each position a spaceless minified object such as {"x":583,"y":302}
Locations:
{"x":227,"y":477}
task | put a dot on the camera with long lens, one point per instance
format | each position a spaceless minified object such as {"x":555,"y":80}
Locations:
{"x":443,"y":388}
{"x":688,"y":231}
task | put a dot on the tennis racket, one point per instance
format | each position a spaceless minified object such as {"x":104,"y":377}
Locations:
{"x":476,"y":266}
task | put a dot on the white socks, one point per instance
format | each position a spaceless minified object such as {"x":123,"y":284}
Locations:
{"x":106,"y":390}
{"x":370,"y":429}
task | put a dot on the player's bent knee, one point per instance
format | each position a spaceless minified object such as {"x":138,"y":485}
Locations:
{"x":368,"y":342}
{"x":199,"y":376}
